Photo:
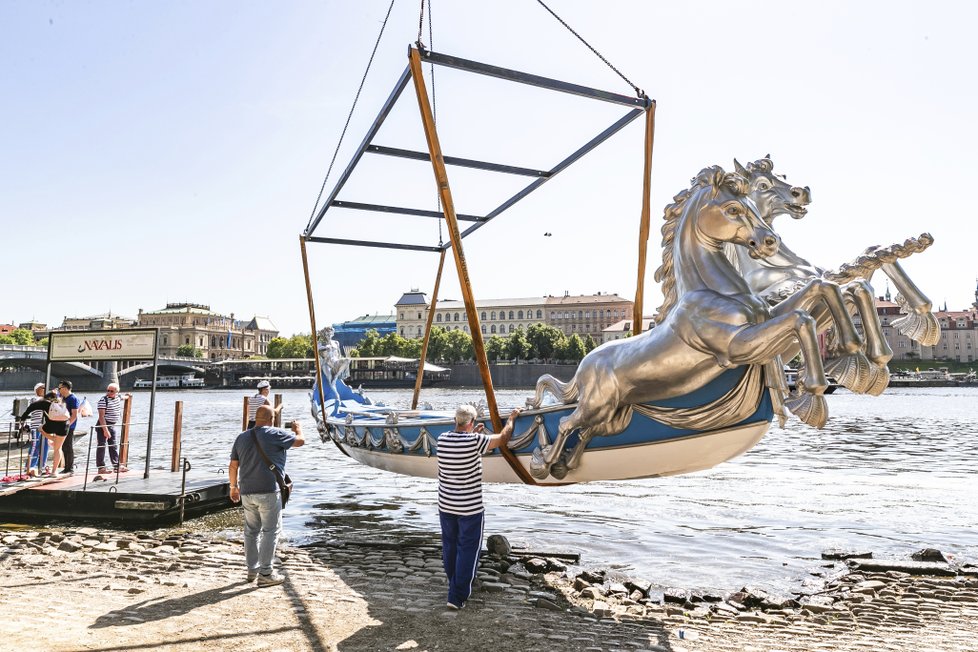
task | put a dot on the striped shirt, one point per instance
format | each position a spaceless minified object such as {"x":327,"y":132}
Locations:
{"x":254,"y":403}
{"x":113,"y":409}
{"x":460,"y":472}
{"x":37,"y":416}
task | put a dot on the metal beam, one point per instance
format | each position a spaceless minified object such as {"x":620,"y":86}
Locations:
{"x":370,"y":243}
{"x":455,"y":160}
{"x":532,"y":80}
{"x":374,"y":128}
{"x":560,"y":167}
{"x":379,"y":208}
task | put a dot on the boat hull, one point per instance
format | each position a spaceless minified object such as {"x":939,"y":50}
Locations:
{"x":405,"y":442}
{"x":657,"y":459}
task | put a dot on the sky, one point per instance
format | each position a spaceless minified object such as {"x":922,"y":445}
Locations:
{"x":158,"y":152}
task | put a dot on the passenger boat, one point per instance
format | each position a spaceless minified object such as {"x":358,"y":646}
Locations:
{"x":392,"y":371}
{"x":791,"y":376}
{"x":181,"y":381}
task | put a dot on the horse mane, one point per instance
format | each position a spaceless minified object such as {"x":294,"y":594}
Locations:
{"x":712,"y":178}
{"x":761,"y":165}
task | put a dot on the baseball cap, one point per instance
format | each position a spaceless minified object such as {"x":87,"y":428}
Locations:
{"x":263,"y":384}
{"x":39,"y":385}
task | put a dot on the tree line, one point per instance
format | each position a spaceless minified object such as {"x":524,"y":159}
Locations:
{"x":538,"y":342}
{"x":22,"y":337}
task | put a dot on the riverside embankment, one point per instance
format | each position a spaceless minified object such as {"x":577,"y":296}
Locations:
{"x":88,"y":589}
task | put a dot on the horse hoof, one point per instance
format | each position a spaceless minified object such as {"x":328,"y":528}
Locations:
{"x":852,"y":371}
{"x":810,"y":408}
{"x":559,"y":469}
{"x":538,"y":468}
{"x":881,"y":380}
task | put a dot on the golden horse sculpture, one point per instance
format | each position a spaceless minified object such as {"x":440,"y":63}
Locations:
{"x":711,"y":319}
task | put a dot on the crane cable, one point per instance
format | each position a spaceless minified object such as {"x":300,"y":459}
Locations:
{"x":348,"y":118}
{"x":638,"y":91}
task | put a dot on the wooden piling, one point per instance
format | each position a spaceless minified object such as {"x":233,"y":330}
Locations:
{"x":278,"y":414}
{"x":177,"y":436}
{"x":124,"y":442}
{"x":244,"y":415}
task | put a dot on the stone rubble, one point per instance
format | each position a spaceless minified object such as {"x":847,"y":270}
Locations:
{"x":342,"y":589}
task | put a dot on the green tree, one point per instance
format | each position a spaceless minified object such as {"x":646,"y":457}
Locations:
{"x":276,"y":347}
{"x":369,"y":346}
{"x":392,"y":344}
{"x":573,"y":348}
{"x":459,"y":346}
{"x":7,"y":339}
{"x":23,"y":337}
{"x":589,"y":343}
{"x":299,"y":346}
{"x":189,"y":351}
{"x":412,"y":348}
{"x":517,"y":346}
{"x":544,"y":340}
{"x":495,"y":347}
{"x":437,"y":343}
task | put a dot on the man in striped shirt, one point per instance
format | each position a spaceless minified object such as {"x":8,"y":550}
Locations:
{"x":107,"y":427}
{"x":460,"y":507}
{"x":39,"y":445}
{"x":260,"y":399}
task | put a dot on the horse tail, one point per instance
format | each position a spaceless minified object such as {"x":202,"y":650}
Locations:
{"x":564,"y":392}
{"x":875,"y":257}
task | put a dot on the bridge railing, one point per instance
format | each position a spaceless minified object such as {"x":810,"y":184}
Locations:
{"x":21,"y":348}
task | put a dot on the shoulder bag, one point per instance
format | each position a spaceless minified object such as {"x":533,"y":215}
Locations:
{"x":283,"y":479}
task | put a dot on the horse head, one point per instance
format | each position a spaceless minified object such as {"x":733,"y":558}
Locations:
{"x":771,"y":192}
{"x":726,"y":213}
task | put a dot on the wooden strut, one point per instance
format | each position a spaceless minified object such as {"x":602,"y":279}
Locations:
{"x":312,"y":324}
{"x":448,"y":205}
{"x":643,"y":237}
{"x":427,"y":332}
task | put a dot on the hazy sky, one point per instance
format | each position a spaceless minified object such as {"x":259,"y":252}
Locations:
{"x":168,"y":151}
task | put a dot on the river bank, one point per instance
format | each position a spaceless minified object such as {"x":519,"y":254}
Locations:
{"x":173,"y":590}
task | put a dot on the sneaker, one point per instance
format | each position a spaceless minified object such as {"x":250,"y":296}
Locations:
{"x":455,"y":607}
{"x":252,"y":576}
{"x":270,"y":580}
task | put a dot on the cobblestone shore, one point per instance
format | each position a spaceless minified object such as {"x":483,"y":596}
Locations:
{"x":88,"y":589}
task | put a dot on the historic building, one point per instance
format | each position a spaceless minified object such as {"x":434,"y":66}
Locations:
{"x":349,"y":333}
{"x":587,"y":314}
{"x":959,"y":333}
{"x":103,"y":322}
{"x":622,"y":329}
{"x":216,"y":336}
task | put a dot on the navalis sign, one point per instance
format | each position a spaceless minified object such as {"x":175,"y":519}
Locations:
{"x":102,"y":345}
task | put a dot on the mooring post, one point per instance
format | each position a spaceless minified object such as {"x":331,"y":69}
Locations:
{"x":177,"y":435}
{"x":124,"y":442}
{"x":244,"y":415}
{"x":278,"y":415}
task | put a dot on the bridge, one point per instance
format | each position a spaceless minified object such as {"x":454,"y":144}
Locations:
{"x":92,"y":374}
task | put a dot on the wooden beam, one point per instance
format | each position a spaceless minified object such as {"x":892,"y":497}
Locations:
{"x":643,"y":235}
{"x":448,"y":205}
{"x":427,"y":332}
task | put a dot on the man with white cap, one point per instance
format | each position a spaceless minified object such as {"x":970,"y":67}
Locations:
{"x":39,"y":445}
{"x":460,"y":509}
{"x":258,"y":400}
{"x":107,"y":428}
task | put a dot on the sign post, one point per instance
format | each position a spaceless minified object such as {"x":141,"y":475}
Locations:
{"x":90,"y":346}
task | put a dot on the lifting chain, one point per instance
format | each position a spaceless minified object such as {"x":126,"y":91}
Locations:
{"x":638,"y":91}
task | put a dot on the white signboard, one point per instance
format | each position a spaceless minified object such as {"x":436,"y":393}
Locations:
{"x":102,"y":345}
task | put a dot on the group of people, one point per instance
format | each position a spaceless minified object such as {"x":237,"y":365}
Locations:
{"x":52,"y":417}
{"x":258,"y":459}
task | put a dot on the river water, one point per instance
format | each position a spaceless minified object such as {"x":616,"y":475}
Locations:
{"x":891,"y":474}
